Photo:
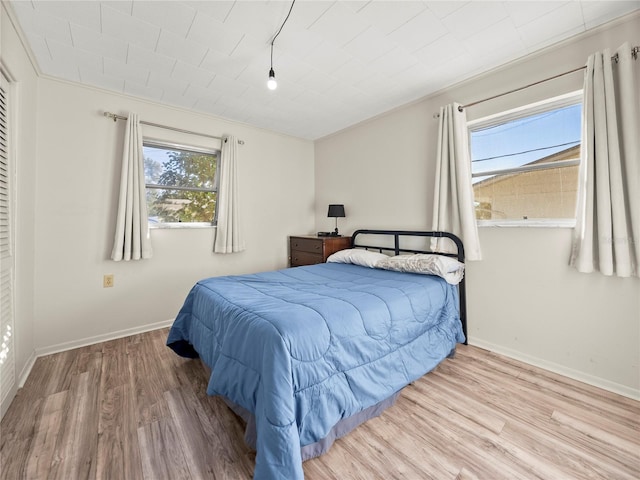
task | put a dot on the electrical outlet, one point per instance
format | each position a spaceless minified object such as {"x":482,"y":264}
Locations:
{"x":107,"y":281}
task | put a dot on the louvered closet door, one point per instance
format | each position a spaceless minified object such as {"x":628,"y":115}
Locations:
{"x":7,"y":354}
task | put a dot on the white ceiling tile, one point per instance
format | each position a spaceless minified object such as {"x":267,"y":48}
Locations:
{"x":259,"y":19}
{"x":175,"y":17}
{"x":230,"y":87}
{"x":165,"y":82}
{"x":369,"y":45}
{"x":304,"y":15}
{"x":441,"y":50}
{"x":233,"y":105}
{"x":355,"y":5}
{"x":62,"y":68}
{"x":397,"y":60}
{"x":217,"y":10}
{"x":297,"y":42}
{"x":474,"y":17}
{"x":172,"y":45}
{"x":526,"y":11}
{"x":208,"y":105}
{"x":596,"y":13}
{"x":286,"y":67}
{"x":178,"y":98}
{"x":352,"y":72}
{"x":375,"y":84}
{"x":218,"y":62}
{"x":127,"y":71}
{"x":443,"y":9}
{"x":41,"y":23}
{"x":339,"y":25}
{"x":387,"y":16}
{"x":137,"y":90}
{"x":152,"y":61}
{"x":256,"y":75}
{"x":99,"y":79}
{"x":249,"y":48}
{"x":82,"y":13}
{"x":95,"y":42}
{"x":39,"y":48}
{"x":421,"y":30}
{"x":259,"y":95}
{"x":185,"y":72}
{"x":550,"y":26}
{"x":202,"y":93}
{"x":326,"y":57}
{"x":316,"y":81}
{"x":125,"y":6}
{"x":119,"y":25}
{"x":66,"y":53}
{"x":500,"y":39}
{"x":212,"y":33}
{"x":337,"y":62}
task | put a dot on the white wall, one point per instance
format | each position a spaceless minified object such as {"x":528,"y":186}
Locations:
{"x":78,"y":171}
{"x":15,"y":60}
{"x":523,"y":299}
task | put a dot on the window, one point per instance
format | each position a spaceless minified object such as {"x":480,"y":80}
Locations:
{"x":524,"y":163}
{"x":182,"y":184}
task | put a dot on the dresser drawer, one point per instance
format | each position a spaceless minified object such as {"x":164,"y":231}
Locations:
{"x":309,"y":250}
{"x":299,"y":258}
{"x":310,"y":245}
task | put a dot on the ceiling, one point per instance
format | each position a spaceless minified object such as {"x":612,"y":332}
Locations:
{"x":337,"y":62}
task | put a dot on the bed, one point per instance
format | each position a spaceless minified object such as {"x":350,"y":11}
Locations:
{"x":306,"y":354}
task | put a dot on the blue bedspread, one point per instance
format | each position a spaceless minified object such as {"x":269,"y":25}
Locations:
{"x":305,"y":347}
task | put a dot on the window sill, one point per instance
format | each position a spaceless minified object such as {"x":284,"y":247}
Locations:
{"x":179,"y":225}
{"x":546,"y":223}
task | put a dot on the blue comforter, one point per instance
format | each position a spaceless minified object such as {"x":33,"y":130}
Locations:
{"x":303,"y":348}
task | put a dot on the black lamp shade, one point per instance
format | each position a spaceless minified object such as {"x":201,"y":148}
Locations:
{"x":336,"y":211}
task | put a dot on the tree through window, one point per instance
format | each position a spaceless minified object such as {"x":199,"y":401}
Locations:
{"x":182,"y":184}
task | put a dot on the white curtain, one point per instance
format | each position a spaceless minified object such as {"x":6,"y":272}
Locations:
{"x":607,"y":233}
{"x":453,"y":208}
{"x":228,"y":235}
{"x":132,"y":240}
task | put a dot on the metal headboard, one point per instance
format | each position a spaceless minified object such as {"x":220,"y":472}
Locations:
{"x":397,"y":250}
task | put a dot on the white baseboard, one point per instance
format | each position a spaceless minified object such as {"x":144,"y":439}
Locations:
{"x":557,"y":368}
{"x":83,"y":342}
{"x":22,"y":378}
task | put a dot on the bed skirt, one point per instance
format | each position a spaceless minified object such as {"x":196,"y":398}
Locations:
{"x":340,"y":429}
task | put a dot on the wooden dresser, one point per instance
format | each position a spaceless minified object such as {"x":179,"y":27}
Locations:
{"x":309,"y":249}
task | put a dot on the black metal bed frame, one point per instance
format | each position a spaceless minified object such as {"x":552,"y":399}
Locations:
{"x":459,"y":254}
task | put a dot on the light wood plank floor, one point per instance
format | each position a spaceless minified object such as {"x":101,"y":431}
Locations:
{"x":132,"y":409}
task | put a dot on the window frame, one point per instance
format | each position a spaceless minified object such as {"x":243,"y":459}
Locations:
{"x":554,"y":103}
{"x":164,"y":144}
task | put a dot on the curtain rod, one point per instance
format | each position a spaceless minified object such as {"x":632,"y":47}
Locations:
{"x":634,"y":54}
{"x":120,"y":117}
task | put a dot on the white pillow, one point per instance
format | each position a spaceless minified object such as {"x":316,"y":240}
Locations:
{"x":357,"y":256}
{"x":426,"y":263}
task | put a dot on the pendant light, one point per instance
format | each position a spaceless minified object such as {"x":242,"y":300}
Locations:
{"x":271,"y":83}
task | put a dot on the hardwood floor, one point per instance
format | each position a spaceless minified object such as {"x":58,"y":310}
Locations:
{"x":132,"y":409}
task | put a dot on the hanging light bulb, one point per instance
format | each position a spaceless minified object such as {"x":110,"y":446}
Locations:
{"x":271,"y":83}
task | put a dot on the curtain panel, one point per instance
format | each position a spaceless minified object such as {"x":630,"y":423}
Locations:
{"x":228,"y":234}
{"x":453,"y":208}
{"x":607,"y":232}
{"x":132,"y":240}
